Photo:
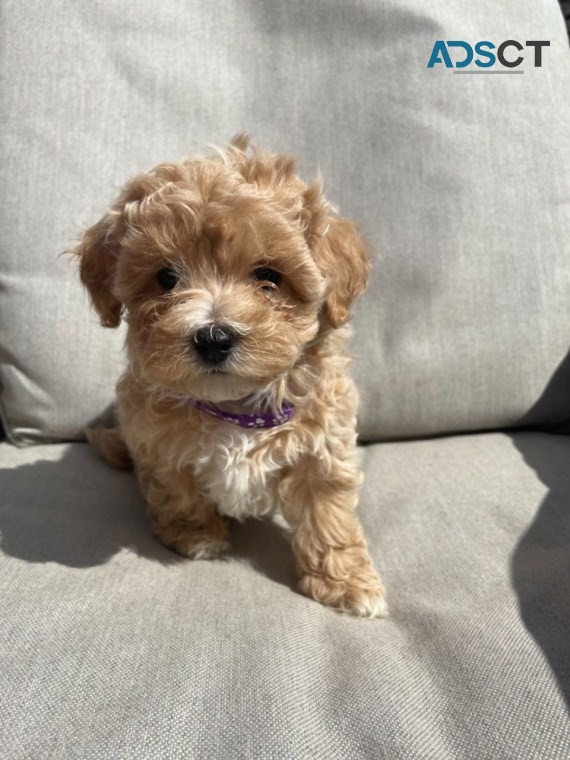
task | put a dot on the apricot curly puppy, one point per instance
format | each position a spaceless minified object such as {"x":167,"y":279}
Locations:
{"x":237,"y":280}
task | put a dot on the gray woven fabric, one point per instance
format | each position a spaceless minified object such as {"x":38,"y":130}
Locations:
{"x":461,"y":184}
{"x":112,"y":648}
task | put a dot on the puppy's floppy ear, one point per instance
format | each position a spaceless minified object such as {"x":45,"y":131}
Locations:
{"x":98,"y":253}
{"x":100,"y":245}
{"x":340,"y":253}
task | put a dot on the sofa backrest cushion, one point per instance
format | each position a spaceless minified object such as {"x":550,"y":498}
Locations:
{"x":461,"y":181}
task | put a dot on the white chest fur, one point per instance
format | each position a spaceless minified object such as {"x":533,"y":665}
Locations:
{"x":236,"y":473}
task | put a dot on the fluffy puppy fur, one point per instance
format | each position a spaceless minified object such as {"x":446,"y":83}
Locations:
{"x":238,"y":242}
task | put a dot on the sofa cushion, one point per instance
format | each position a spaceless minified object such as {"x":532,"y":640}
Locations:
{"x":460,"y":182}
{"x":111,"y":647}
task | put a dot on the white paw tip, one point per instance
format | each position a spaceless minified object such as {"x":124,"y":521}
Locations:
{"x":376,"y":607}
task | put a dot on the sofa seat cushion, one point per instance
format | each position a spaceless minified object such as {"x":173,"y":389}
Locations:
{"x":112,"y":647}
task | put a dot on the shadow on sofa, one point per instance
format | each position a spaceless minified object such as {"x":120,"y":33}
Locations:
{"x":60,"y":511}
{"x":540,"y":567}
{"x":70,"y":512}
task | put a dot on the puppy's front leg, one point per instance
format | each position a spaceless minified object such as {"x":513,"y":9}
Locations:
{"x":182,"y":518}
{"x":330,"y":550}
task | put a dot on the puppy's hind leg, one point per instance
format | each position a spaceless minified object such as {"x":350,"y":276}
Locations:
{"x":110,"y":443}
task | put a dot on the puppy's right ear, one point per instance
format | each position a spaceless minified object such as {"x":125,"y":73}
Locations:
{"x":98,"y":252}
{"x":100,"y":245}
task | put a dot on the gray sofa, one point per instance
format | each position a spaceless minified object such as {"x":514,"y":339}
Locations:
{"x":111,"y":646}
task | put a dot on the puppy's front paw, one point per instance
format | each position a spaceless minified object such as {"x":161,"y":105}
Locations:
{"x":362,"y":599}
{"x":195,"y":542}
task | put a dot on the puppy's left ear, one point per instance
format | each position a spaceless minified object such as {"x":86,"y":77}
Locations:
{"x":340,"y":253}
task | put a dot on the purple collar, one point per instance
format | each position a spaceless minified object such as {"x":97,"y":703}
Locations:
{"x":261,"y":420}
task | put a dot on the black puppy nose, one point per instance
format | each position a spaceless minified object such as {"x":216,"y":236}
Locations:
{"x":214,"y":343}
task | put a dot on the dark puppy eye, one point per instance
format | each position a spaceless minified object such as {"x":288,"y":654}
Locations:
{"x":269,"y":278}
{"x":167,"y":278}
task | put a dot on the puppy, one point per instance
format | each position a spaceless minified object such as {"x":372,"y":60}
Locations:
{"x":236,"y":281}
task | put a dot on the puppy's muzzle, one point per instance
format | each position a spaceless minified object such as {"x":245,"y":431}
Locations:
{"x":214,"y":343}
